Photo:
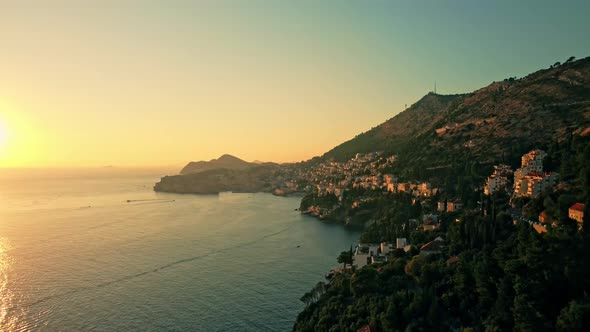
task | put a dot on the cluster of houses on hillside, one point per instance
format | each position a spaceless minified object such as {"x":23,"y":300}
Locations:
{"x":366,"y":254}
{"x":575,"y":212}
{"x":529,"y":180}
{"x":363,"y":172}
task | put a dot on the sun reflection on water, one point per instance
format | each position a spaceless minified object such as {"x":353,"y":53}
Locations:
{"x":6,"y":295}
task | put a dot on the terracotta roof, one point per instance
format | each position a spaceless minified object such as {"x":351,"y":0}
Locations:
{"x":366,"y":328}
{"x":577,"y":207}
{"x":539,"y":228}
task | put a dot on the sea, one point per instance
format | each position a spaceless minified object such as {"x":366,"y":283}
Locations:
{"x":99,"y":250}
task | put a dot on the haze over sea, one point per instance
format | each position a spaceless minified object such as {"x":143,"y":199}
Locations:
{"x":75,"y":255}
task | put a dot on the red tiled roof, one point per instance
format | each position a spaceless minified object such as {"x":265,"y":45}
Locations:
{"x":366,"y":328}
{"x":577,"y":207}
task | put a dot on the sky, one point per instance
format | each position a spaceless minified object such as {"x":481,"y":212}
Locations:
{"x":157,"y":83}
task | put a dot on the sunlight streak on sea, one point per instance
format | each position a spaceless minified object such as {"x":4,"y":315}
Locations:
{"x":104,"y":252}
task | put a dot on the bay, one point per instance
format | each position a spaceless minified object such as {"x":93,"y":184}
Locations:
{"x":98,"y":250}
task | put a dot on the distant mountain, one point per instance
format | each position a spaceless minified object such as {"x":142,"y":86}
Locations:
{"x":495,"y":122}
{"x":259,"y":178}
{"x":226,"y":161}
{"x":226,"y":173}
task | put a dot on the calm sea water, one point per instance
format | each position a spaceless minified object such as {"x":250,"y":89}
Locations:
{"x":76,"y":256}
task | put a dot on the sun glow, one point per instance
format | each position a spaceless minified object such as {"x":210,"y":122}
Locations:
{"x":3,"y":135}
{"x":19,"y":140}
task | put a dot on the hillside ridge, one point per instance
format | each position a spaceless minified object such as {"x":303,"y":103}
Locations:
{"x":541,"y":107}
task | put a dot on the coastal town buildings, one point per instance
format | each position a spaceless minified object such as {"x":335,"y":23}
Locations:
{"x":449,"y":206}
{"x":454,"y":205}
{"x":576,"y":212}
{"x":533,"y":184}
{"x":424,"y":189}
{"x":531,"y":162}
{"x":401,"y":242}
{"x":529,"y":179}
{"x":498,"y":180}
{"x":365,"y":254}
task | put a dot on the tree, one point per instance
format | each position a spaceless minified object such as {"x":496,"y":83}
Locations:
{"x":570,"y":59}
{"x":574,"y":317}
{"x":345,"y":257}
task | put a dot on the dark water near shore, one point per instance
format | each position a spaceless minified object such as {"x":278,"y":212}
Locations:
{"x":75,"y":255}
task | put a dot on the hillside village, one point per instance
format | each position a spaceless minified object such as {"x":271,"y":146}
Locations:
{"x":366,"y":172}
{"x":476,"y":209}
{"x":418,"y":230}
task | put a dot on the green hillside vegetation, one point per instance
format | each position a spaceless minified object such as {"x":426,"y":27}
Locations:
{"x":507,"y":277}
{"x":492,"y":274}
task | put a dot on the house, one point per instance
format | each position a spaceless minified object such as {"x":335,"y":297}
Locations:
{"x":533,"y":184}
{"x":495,"y":183}
{"x":363,"y":254}
{"x":433,"y":247}
{"x":539,"y":228}
{"x":441,"y":206}
{"x":389,"y":179}
{"x":576,"y":212}
{"x":402,"y":187}
{"x":454,"y":206}
{"x":401,"y":242}
{"x":391,"y":187}
{"x":498,"y":180}
{"x":430,"y":222}
{"x":424,"y":189}
{"x":386,"y":248}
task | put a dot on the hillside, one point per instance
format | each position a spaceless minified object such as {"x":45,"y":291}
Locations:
{"x":225,"y":161}
{"x":497,"y":121}
{"x":252,"y":179}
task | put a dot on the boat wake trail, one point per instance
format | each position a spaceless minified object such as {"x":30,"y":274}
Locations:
{"x":157,"y":269}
